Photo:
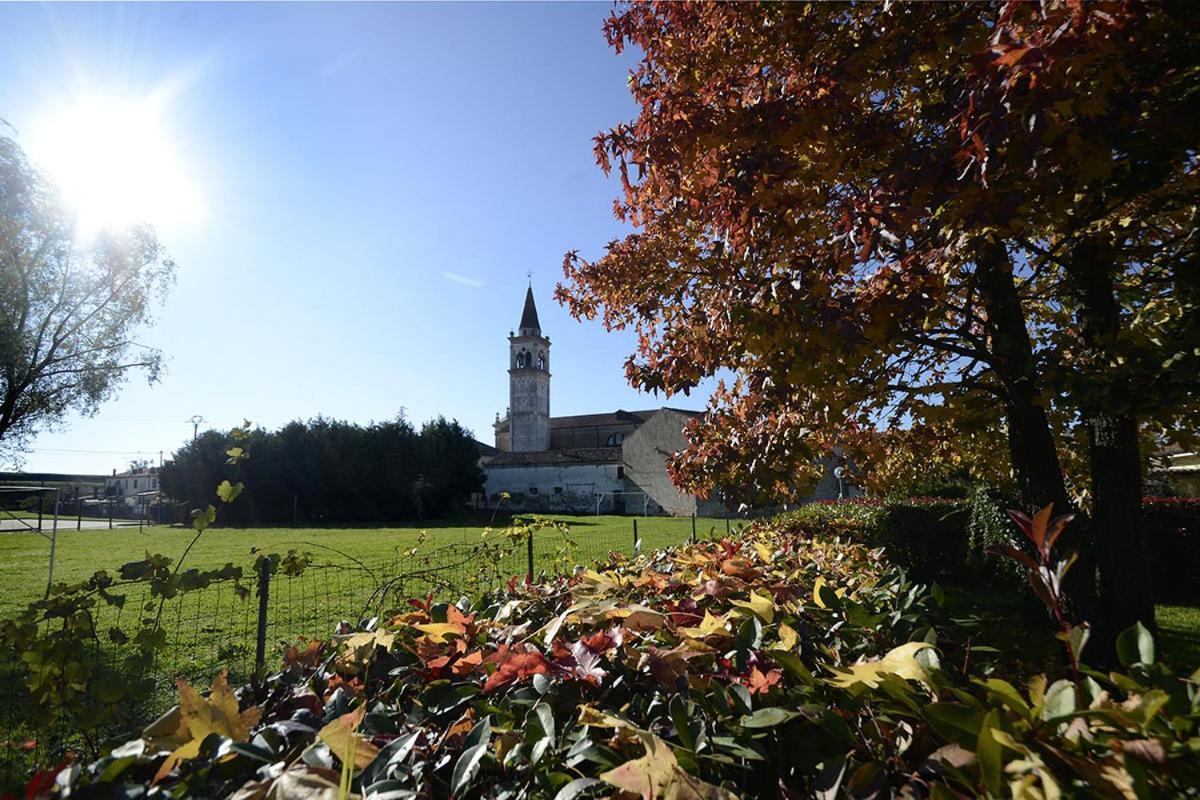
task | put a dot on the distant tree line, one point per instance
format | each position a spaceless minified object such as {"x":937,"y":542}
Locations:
{"x":331,"y":471}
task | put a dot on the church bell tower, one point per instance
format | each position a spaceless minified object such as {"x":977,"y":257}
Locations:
{"x":529,"y":383}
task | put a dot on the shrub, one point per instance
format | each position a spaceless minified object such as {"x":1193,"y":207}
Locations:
{"x":779,"y":665}
{"x":946,"y":540}
{"x":1173,"y":541}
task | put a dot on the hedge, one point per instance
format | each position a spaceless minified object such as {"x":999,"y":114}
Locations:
{"x":946,"y":540}
{"x":773,"y":666}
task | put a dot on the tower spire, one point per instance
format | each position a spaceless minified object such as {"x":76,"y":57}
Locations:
{"x":529,"y":318}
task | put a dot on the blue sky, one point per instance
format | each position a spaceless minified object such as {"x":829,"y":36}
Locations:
{"x":348,"y":158}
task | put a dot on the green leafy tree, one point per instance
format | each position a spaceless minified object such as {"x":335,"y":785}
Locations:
{"x":451,"y":460}
{"x":328,"y":470}
{"x":69,"y":310}
{"x":971,"y":221}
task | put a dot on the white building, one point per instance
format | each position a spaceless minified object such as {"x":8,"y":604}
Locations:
{"x":133,"y":487}
{"x":613,"y":462}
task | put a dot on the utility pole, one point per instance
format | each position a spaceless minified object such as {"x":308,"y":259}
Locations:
{"x":195,"y":420}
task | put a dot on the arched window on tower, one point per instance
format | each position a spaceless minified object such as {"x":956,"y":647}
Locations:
{"x":541,"y":361}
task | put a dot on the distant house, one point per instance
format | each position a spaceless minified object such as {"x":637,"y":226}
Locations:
{"x":134,"y":487}
{"x":1182,"y":468}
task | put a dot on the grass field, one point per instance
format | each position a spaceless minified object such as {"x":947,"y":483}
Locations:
{"x":24,"y":557}
{"x":213,"y":628}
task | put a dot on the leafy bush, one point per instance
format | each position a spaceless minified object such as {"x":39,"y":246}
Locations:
{"x":946,"y":540}
{"x":1173,"y":540}
{"x":780,"y":665}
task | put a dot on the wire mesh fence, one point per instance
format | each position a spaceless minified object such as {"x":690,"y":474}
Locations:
{"x":222,"y":626}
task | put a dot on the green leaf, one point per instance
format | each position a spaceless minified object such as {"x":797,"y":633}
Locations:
{"x":955,"y":722}
{"x":1060,"y":700}
{"x":228,"y":492}
{"x":1008,"y":694}
{"x":1135,"y":646}
{"x":988,"y":751}
{"x":202,"y":518}
{"x":768,"y":717}
{"x":466,"y":768}
{"x":577,"y":787}
{"x":679,"y":717}
{"x":749,"y":634}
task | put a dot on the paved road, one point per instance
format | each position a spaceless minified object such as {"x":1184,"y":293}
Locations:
{"x":9,"y":525}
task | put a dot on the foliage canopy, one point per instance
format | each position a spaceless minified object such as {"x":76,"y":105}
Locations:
{"x":971,"y":221}
{"x":69,"y":310}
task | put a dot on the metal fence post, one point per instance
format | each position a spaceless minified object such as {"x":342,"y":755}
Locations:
{"x":727,"y":524}
{"x":636,"y":541}
{"x":529,"y":543}
{"x":264,"y":590}
{"x":693,"y":528}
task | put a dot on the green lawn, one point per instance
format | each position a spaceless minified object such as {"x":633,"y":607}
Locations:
{"x":212,"y":628}
{"x":24,"y":557}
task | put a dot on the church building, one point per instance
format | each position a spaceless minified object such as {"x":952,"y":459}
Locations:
{"x":611,"y":463}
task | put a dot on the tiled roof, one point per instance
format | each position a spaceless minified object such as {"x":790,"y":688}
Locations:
{"x":587,"y":455}
{"x":618,"y":417}
{"x":486,"y":449}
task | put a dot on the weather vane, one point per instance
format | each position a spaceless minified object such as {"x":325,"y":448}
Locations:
{"x":529,"y":275}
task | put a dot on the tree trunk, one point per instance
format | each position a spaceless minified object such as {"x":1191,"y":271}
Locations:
{"x":1113,"y":450}
{"x":1031,"y":444}
{"x":1116,"y":469}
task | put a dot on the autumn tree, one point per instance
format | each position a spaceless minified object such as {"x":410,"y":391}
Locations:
{"x":69,"y":310}
{"x":970,"y":219}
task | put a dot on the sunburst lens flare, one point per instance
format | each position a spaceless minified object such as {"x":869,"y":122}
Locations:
{"x":116,"y":165}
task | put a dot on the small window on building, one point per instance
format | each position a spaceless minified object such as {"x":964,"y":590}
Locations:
{"x":533,"y":490}
{"x":620,"y":472}
{"x":135,"y":480}
{"x":558,"y":490}
{"x":615,"y":440}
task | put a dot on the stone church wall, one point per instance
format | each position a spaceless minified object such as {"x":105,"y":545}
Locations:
{"x":646,"y":454}
{"x":552,"y":487}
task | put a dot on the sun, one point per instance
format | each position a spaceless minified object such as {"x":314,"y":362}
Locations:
{"x":115,"y":164}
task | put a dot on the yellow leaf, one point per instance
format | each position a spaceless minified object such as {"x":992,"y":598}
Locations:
{"x":820,"y":583}
{"x":638,"y":618}
{"x":440,"y":631}
{"x":900,"y":661}
{"x":658,"y":776}
{"x":360,"y":648}
{"x":199,"y":717}
{"x":710,"y":626}
{"x":763,"y":551}
{"x":761,"y":605}
{"x":817,"y":591}
{"x":594,"y":717}
{"x":344,"y":740}
{"x":788,"y":638}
